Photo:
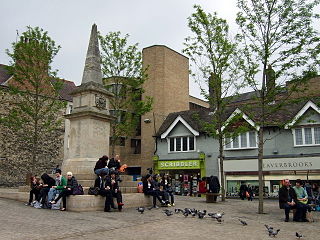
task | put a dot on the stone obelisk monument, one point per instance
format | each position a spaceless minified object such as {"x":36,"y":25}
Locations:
{"x":88,"y":137}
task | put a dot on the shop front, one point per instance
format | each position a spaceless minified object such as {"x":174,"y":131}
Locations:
{"x":185,"y":174}
{"x":274,"y":169}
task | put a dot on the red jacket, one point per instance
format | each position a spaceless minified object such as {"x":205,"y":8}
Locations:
{"x":202,"y":187}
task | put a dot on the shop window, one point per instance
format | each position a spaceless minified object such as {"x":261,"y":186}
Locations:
{"x":245,"y":140}
{"x":306,"y":136}
{"x":181,"y":144}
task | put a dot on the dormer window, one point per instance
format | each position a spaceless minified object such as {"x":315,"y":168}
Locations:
{"x":247,"y":140}
{"x":307,"y":136}
{"x":181,"y":144}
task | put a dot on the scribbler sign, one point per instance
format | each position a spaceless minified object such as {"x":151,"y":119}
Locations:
{"x":179,"y":164}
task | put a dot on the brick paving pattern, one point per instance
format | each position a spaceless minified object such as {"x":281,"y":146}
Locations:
{"x":21,"y":222}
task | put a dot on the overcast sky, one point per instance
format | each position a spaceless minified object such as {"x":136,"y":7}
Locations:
{"x":149,"y":22}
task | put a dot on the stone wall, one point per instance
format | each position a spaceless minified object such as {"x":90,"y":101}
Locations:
{"x":15,"y":156}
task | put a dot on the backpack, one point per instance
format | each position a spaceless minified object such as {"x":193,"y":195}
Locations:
{"x":78,"y":190}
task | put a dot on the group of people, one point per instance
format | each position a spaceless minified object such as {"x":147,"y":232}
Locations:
{"x":108,"y":180}
{"x":48,"y":191}
{"x":159,"y":187}
{"x":246,"y":191}
{"x":300,"y":198}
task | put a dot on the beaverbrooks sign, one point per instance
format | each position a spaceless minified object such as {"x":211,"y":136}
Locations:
{"x":275,"y":164}
{"x":179,"y":164}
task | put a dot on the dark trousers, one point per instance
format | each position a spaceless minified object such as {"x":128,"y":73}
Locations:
{"x":34,"y":192}
{"x":118,"y":196}
{"x":43,"y":195}
{"x":156,"y":195}
{"x":287,"y":209}
{"x":170,"y":193}
{"x":302,"y":211}
{"x":64,"y":195}
{"x":108,"y":202}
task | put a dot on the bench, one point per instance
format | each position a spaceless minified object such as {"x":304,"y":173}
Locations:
{"x":211,"y":197}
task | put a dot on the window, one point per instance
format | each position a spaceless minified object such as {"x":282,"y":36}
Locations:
{"x":181,"y":144}
{"x":120,"y":141}
{"x":245,"y":140}
{"x":119,"y":114}
{"x":117,"y":89}
{"x":306,"y":136}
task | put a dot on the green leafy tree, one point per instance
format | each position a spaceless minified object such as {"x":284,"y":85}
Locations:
{"x":278,"y":40}
{"x":35,"y":103}
{"x":215,"y":57}
{"x":124,"y":76}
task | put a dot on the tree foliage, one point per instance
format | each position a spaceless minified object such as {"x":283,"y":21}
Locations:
{"x":34,"y":90}
{"x":279,"y":44}
{"x":215,"y":56}
{"x":124,"y":76}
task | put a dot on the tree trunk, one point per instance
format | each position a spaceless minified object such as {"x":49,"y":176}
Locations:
{"x":221,"y":157}
{"x":260,"y":165}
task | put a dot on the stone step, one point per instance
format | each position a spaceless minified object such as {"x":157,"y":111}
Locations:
{"x":93,"y":177}
{"x":128,"y":184}
{"x":82,"y":203}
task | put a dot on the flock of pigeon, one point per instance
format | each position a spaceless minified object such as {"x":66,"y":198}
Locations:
{"x":217,"y":216}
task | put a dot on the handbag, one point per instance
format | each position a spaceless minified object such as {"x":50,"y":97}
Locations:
{"x":93,"y":191}
{"x":78,"y":190}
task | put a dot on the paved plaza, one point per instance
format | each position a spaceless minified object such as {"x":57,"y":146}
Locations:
{"x":21,"y":222}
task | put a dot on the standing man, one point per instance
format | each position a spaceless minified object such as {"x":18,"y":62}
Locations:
{"x":287,"y":199}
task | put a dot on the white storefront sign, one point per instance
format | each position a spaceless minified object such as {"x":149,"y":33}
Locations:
{"x":274,"y":164}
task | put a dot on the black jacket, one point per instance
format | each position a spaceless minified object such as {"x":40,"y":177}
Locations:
{"x":101,"y":163}
{"x":98,"y":182}
{"x":114,"y":186}
{"x":72,"y":183}
{"x":48,"y":180}
{"x":114,"y":164}
{"x":284,"y":194}
{"x":146,"y":188}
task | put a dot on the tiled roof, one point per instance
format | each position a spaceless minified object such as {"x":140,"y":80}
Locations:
{"x":195,"y":118}
{"x":4,"y":74}
{"x":67,"y":88}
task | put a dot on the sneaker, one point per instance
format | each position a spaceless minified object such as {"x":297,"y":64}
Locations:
{"x":155,"y":206}
{"x":120,"y":204}
{"x":27,"y":204}
{"x":172,"y":204}
{"x":168,"y":205}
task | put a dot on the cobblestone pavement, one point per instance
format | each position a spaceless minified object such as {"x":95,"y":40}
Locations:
{"x":21,"y":222}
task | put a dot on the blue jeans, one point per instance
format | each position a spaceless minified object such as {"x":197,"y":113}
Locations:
{"x":52,"y":194}
{"x":104,"y":171}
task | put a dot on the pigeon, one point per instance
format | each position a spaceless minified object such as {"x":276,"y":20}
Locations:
{"x":244,"y":223}
{"x":168,"y":212}
{"x":269,"y":228}
{"x":274,"y":233}
{"x":298,"y":235}
{"x":185,"y":213}
{"x":193,"y":214}
{"x":140,"y":209}
{"x":178,"y":210}
{"x":201,"y":214}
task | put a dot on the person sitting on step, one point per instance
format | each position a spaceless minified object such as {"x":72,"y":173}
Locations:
{"x":47,"y":183}
{"x":101,"y":166}
{"x":112,"y":182}
{"x":67,"y":191}
{"x":35,"y":189}
{"x":287,"y":199}
{"x":60,"y":185}
{"x":104,"y":190}
{"x":167,"y":187}
{"x":149,"y":189}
